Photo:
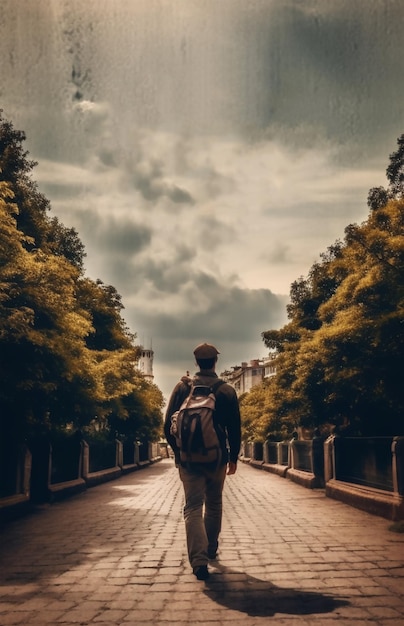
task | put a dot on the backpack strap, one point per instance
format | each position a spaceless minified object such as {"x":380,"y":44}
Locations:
{"x":216,"y":386}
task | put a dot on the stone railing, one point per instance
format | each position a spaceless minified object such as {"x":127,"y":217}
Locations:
{"x":367,"y":473}
{"x":45,"y":472}
{"x":15,"y":492}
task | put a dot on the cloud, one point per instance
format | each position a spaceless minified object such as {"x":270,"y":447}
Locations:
{"x":279,"y":254}
{"x":148,"y":178}
{"x":230,"y":317}
{"x":273,"y":207}
{"x":209,"y":307}
{"x":125,"y":240}
{"x":207,"y":153}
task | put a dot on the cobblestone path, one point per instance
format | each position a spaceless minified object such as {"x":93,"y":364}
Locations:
{"x":116,"y":556}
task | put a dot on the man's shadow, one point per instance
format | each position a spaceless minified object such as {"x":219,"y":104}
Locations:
{"x":259,"y":598}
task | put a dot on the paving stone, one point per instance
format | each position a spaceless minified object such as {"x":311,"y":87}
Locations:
{"x":116,"y":555}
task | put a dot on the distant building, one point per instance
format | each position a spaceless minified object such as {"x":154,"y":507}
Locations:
{"x":270,"y":365}
{"x":145,"y":363}
{"x":247,"y":375}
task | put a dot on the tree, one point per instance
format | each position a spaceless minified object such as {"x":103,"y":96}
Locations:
{"x":379,"y":196}
{"x":66,"y":353}
{"x":139,"y":415}
{"x":65,"y":242}
{"x":363,"y":334}
{"x":341,"y":355}
{"x":41,"y":327}
{"x":105,"y":305}
{"x":43,"y":233}
{"x":395,"y":170}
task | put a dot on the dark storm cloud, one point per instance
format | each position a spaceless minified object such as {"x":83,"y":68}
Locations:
{"x":220,"y":311}
{"x":123,"y":238}
{"x":150,"y":181}
{"x":341,"y":61}
{"x":233,"y":319}
{"x":164,"y":276}
{"x":136,"y":273}
{"x":238,"y":312}
{"x":226,"y":313}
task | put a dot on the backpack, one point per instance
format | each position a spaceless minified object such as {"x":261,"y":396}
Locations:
{"x":194,"y":429}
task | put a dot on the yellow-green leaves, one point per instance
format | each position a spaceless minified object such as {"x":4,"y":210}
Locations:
{"x":66,"y":354}
{"x":341,"y":356}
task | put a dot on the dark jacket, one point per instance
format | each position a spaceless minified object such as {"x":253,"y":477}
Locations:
{"x":227,"y":412}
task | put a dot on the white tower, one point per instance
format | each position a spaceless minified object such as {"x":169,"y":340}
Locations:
{"x":145,"y":363}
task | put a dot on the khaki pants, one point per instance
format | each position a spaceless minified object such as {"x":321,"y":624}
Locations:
{"x":202,"y":511}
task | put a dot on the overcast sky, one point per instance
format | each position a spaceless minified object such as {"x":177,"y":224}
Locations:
{"x":206,"y":151}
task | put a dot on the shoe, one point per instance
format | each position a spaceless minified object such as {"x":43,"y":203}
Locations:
{"x":201,"y":572}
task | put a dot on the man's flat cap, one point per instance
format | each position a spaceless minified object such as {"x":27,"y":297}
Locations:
{"x":206,"y":351}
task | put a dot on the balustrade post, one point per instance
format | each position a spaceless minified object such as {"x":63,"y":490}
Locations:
{"x":265,"y":452}
{"x":329,"y":459}
{"x":119,"y":453}
{"x":279,"y":450}
{"x":23,"y":471}
{"x":291,"y":454}
{"x":397,"y":450}
{"x":85,"y":455}
{"x":317,"y":456}
{"x":27,"y":465}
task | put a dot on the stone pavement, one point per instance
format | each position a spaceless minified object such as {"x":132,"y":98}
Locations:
{"x":116,"y":556}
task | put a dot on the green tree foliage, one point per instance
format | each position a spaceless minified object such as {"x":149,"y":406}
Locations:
{"x":67,"y":357}
{"x":105,"y":304}
{"x":341,"y":356}
{"x":258,"y":419}
{"x":42,"y":329}
{"x":46,"y":234}
{"x":379,"y":196}
{"x":138,"y":415}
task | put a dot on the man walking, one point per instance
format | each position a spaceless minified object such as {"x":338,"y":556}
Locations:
{"x":203,"y":482}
